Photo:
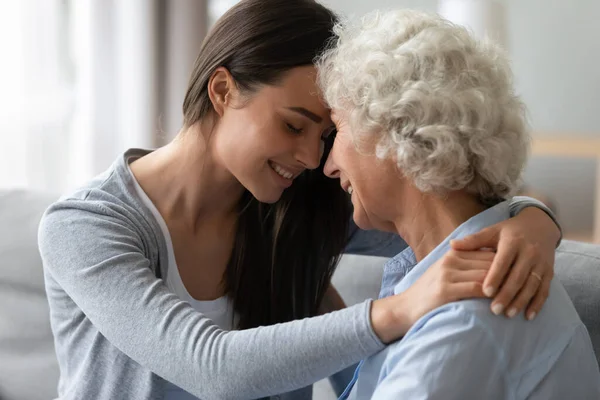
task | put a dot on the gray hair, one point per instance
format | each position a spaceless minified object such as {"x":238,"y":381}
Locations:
{"x":441,"y":102}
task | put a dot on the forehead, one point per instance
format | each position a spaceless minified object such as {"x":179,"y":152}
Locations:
{"x":298,"y":87}
{"x":299,"y":77}
{"x":363,"y":140}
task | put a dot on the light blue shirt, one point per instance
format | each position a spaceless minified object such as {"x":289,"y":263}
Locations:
{"x":463,"y":351}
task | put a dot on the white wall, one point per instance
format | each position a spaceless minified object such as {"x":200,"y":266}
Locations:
{"x":555,"y":49}
{"x":555,"y":46}
{"x":359,"y":7}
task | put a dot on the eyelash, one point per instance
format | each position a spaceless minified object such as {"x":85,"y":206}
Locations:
{"x":326,"y":137}
{"x":293,"y":129}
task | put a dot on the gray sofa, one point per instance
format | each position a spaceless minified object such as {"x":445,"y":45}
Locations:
{"x":28,"y":369}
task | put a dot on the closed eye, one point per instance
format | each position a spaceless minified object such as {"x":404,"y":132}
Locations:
{"x":293,"y":129}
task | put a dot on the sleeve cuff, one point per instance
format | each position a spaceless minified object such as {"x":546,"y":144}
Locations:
{"x":518,"y":203}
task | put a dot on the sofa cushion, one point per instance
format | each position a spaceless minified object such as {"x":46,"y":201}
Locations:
{"x":28,"y":367}
{"x":358,"y":277}
{"x":578,"y":268}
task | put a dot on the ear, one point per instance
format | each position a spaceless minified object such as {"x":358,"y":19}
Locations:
{"x":221,"y":88}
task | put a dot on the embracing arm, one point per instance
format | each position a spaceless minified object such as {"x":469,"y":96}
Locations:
{"x":523,"y":244}
{"x":548,"y":222}
{"x":97,"y":258}
{"x":332,"y":301}
{"x":385,"y":244}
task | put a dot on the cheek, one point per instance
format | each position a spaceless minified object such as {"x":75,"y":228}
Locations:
{"x":373,"y":188}
{"x":263,"y":135}
{"x":346,"y":158}
{"x":234,"y":149}
{"x":243,"y":135}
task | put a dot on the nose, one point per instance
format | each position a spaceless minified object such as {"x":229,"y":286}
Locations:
{"x":331,"y":169}
{"x":309,"y":153}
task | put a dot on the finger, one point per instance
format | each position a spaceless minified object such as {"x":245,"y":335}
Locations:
{"x":505,"y":256}
{"x":513,"y":284}
{"x":524,"y":296}
{"x":465,"y":290}
{"x":470,"y":275}
{"x":450,"y":269}
{"x":485,"y":238}
{"x":480,"y":255}
{"x":539,"y":300}
{"x":465,"y":260}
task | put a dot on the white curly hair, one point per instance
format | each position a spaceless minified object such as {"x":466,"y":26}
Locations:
{"x":440,"y":101}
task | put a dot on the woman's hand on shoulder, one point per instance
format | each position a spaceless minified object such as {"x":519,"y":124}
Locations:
{"x":523,"y":268}
{"x":457,"y":275}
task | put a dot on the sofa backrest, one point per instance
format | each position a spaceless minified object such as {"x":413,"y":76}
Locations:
{"x":578,"y":268}
{"x":28,"y":366}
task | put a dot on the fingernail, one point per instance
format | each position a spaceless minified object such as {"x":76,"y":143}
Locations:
{"x":531,"y":315}
{"x":497,"y":308}
{"x":488,"y":291}
{"x":512,"y":312}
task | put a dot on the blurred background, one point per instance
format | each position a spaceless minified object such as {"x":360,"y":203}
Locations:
{"x":82,"y":80}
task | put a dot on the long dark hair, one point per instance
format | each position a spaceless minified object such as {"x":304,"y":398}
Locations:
{"x":285,"y":253}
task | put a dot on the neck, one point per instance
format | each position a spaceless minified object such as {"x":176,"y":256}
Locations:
{"x":434,"y":218}
{"x":186,"y":183}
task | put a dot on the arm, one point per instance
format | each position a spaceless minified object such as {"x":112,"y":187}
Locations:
{"x":385,"y":244}
{"x":97,"y":257}
{"x":451,"y":357}
{"x":548,"y":222}
{"x":332,"y":301}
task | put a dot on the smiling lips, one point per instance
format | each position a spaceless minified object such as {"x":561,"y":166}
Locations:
{"x":347,"y":187}
{"x":283,"y":171}
{"x":289,"y":175}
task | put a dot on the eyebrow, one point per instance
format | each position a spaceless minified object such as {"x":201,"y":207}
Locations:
{"x":308,"y":114}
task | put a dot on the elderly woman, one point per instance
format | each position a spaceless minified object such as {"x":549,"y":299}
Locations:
{"x":431,"y":139}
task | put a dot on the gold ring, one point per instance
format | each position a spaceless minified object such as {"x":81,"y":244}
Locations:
{"x":536,"y":275}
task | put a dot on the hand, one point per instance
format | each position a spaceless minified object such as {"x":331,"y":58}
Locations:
{"x":456,"y":276}
{"x":524,"y":264}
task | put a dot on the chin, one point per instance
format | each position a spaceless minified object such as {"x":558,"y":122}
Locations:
{"x":268,"y":197}
{"x":361,"y":220}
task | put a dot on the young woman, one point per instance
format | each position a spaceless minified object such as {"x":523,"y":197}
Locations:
{"x":231,"y":226}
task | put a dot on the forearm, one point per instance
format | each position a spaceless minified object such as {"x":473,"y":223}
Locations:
{"x":332,"y":301}
{"x":527,"y":205}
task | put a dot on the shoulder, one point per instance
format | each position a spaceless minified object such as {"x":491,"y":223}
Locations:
{"x":468,"y":333}
{"x":452,"y":328}
{"x":446,"y":348}
{"x":102,"y":209}
{"x":106,"y":197}
{"x":467,"y":330}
